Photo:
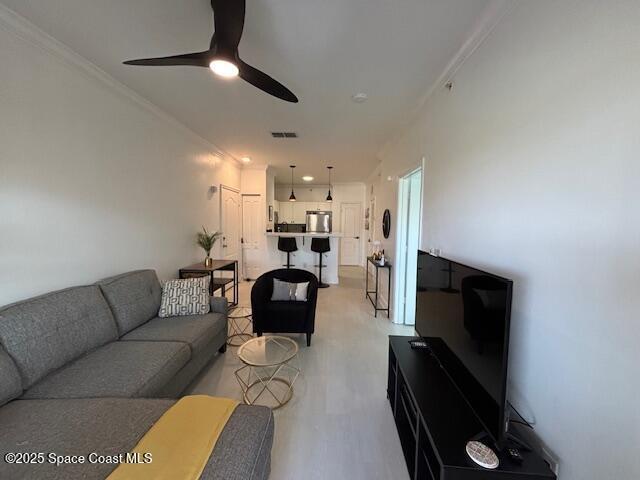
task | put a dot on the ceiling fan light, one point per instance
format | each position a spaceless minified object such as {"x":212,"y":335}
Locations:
{"x":224,"y":68}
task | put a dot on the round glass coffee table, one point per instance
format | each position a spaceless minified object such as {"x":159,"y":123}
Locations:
{"x":239,"y":325}
{"x":270,"y":369}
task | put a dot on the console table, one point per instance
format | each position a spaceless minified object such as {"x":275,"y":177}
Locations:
{"x":434,"y":422}
{"x":216,"y":283}
{"x":374,"y":300}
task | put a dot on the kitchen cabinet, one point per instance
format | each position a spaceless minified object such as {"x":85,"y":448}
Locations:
{"x":285,"y":214}
{"x":296,"y":212}
{"x":300,"y":212}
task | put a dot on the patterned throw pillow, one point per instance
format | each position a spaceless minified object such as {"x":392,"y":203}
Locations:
{"x":189,"y":296}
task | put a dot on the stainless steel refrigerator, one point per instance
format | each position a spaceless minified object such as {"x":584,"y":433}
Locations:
{"x":318,"y":222}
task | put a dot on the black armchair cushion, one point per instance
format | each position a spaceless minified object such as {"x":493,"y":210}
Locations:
{"x":290,"y":316}
{"x":283,"y":316}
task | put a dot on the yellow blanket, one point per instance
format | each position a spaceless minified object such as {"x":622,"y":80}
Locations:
{"x":180,"y":442}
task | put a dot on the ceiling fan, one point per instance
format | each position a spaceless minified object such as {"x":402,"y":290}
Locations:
{"x":222,"y":57}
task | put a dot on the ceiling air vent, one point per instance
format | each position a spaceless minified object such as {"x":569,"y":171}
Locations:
{"x":284,"y":134}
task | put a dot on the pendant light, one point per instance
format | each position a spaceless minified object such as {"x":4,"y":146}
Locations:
{"x":292,"y":197}
{"x":329,"y":197}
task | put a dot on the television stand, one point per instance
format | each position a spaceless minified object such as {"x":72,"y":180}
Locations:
{"x":435,"y":422}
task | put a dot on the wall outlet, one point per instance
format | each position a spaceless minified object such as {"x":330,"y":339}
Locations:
{"x":435,"y":252}
{"x":551,"y":459}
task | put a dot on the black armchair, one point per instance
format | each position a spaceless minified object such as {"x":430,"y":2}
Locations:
{"x":284,"y":317}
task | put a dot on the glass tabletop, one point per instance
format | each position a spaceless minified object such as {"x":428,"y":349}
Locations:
{"x":240,"y":312}
{"x":267,"y":351}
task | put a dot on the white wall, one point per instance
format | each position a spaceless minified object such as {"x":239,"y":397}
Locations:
{"x":92,"y":182}
{"x":398,"y":160}
{"x":304,"y":193}
{"x":533,"y":173}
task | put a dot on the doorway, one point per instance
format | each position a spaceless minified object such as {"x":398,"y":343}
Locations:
{"x":252,"y":214}
{"x":230,"y":219}
{"x":351,"y":225}
{"x":409,"y":233}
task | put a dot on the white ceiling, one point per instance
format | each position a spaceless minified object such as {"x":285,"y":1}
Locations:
{"x":324,"y":51}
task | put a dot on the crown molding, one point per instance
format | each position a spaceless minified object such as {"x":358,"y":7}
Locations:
{"x":494,"y":14}
{"x":255,"y":166}
{"x":491,"y":18}
{"x":29,"y":33}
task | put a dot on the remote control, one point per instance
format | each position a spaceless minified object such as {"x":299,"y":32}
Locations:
{"x":515,"y":455}
{"x":418,"y":344}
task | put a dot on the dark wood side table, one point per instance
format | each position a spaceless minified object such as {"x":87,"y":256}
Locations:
{"x":372,"y":299}
{"x":216,"y":283}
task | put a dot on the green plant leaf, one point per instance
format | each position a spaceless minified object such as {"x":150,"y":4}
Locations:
{"x":207,"y":240}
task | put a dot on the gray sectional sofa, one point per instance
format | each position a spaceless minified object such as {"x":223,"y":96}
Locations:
{"x":91,"y":368}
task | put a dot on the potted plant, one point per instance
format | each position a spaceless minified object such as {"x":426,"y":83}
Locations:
{"x":206,"y":241}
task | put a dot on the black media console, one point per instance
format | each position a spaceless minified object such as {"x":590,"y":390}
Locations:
{"x":435,"y":423}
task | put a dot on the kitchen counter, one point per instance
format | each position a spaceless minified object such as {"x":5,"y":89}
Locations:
{"x":304,"y":258}
{"x":306,"y":234}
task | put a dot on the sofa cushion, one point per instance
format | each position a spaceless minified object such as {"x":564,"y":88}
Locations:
{"x":195,"y":330}
{"x":10,"y":383}
{"x":111,"y":426}
{"x":106,"y":426}
{"x":44,"y":333}
{"x":134,"y":297}
{"x":119,"y":369}
{"x":243,"y":451}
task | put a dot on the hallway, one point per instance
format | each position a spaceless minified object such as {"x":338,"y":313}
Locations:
{"x":338,"y":424}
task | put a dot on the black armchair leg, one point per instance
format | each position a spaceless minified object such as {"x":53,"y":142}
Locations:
{"x":223,"y":348}
{"x":308,"y":339}
{"x":259,"y":334}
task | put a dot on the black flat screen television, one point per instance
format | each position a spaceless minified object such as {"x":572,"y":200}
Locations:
{"x":465,"y":313}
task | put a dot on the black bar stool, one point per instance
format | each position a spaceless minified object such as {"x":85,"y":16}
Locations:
{"x":320,"y":245}
{"x":287,"y":244}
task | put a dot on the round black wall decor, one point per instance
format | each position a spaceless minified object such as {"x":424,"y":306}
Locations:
{"x":386,"y":223}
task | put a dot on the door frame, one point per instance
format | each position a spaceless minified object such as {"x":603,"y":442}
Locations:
{"x":402,"y":267}
{"x":360,"y":229}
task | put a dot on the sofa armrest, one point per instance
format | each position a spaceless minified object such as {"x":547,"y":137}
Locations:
{"x":219,"y":305}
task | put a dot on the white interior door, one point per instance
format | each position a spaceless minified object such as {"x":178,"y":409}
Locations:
{"x":351,"y":226}
{"x":251,"y":220}
{"x":230,"y":222}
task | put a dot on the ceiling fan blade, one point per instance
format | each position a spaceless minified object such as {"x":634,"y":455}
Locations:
{"x":265,"y":83}
{"x":228,"y":18}
{"x":198,"y":59}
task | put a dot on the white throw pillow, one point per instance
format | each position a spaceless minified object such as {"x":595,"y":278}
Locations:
{"x":301,"y":291}
{"x":189,"y":296}
{"x":285,"y":291}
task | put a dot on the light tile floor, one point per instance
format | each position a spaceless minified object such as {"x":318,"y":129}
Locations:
{"x":338,"y":424}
